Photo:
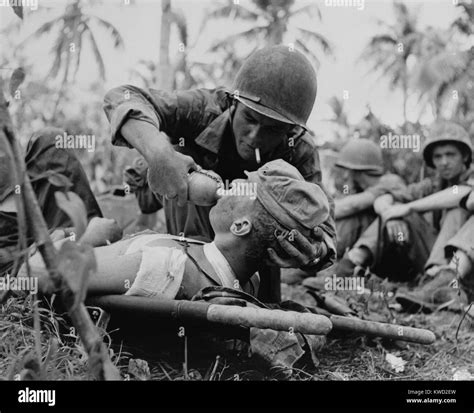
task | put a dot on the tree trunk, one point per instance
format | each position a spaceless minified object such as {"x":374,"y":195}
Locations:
{"x":405,"y":93}
{"x":276,"y":33}
{"x":165,"y":75}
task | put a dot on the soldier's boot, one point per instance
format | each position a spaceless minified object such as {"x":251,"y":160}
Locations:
{"x":442,"y":291}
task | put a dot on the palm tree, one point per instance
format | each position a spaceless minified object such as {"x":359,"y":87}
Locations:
{"x":441,"y":68}
{"x":74,"y":27}
{"x":337,"y":107}
{"x":162,"y":72}
{"x":390,"y":51}
{"x":165,"y":71}
{"x":465,"y":23}
{"x":445,"y":68}
{"x":272,"y":23}
{"x":147,"y":71}
{"x":338,"y":120}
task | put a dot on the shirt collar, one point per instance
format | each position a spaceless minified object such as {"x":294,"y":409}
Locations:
{"x":466,"y":177}
{"x":220,"y":264}
{"x":211,"y":138}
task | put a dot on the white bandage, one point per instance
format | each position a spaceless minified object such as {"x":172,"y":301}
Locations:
{"x":160,"y":274}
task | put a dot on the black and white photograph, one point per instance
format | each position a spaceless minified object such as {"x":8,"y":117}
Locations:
{"x":254,"y":191}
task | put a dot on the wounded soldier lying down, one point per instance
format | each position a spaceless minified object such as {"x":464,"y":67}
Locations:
{"x":153,"y":265}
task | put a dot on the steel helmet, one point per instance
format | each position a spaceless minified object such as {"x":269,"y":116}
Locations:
{"x":361,"y":155}
{"x":278,"y":82}
{"x":447,"y":132}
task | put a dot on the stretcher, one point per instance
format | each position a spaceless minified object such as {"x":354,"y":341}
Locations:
{"x":139,"y":310}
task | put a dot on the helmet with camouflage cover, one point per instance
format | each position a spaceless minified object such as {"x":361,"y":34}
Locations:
{"x":277,"y":82}
{"x":447,"y":132}
{"x":361,"y":155}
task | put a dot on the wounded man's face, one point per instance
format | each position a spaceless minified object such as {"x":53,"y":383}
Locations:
{"x":236,"y":200}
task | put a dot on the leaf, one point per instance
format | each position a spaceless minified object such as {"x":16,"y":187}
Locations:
{"x":76,"y":264}
{"x":139,"y":369}
{"x":73,"y":206}
{"x":18,"y":10}
{"x":52,"y":353}
{"x":59,"y":180}
{"x":16,"y":80}
{"x":462,"y":374}
{"x":338,"y":376}
{"x":396,"y":363}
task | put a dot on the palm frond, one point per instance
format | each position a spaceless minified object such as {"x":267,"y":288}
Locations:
{"x":309,"y":10}
{"x":445,"y":67}
{"x":230,"y":9}
{"x":57,"y":50}
{"x":248,"y":35}
{"x":301,"y":45}
{"x":226,"y":10}
{"x":318,"y":38}
{"x":178,"y":18}
{"x":46,"y":27}
{"x":116,"y":36}
{"x":337,"y":106}
{"x":96,"y":51}
{"x":406,"y":21}
{"x":382,"y":39}
{"x":77,"y":62}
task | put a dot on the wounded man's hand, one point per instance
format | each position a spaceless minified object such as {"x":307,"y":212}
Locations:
{"x":101,"y":231}
{"x":299,"y":250}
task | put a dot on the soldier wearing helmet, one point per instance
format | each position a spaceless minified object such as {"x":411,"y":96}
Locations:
{"x":361,"y":175}
{"x":262,"y":118}
{"x":442,"y":250}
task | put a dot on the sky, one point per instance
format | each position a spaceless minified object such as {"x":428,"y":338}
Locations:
{"x":348,"y":27}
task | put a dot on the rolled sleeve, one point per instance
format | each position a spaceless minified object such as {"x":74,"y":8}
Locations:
{"x":128,"y":102}
{"x":183,"y":114}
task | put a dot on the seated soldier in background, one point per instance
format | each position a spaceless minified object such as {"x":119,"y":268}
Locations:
{"x":150,"y":264}
{"x":42,"y":158}
{"x":427,"y":248}
{"x":442,"y":285}
{"x":363,"y":181}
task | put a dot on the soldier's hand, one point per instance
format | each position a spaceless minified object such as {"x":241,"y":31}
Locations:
{"x":470,"y":202}
{"x":398,"y":231}
{"x":299,"y":250}
{"x":168,"y":175}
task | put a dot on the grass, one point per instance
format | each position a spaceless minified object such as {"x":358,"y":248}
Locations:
{"x":342,"y":358}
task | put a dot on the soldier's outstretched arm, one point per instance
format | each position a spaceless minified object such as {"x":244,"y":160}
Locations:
{"x":352,"y":204}
{"x":445,"y":199}
{"x":143,"y":120}
{"x":167,"y":169}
